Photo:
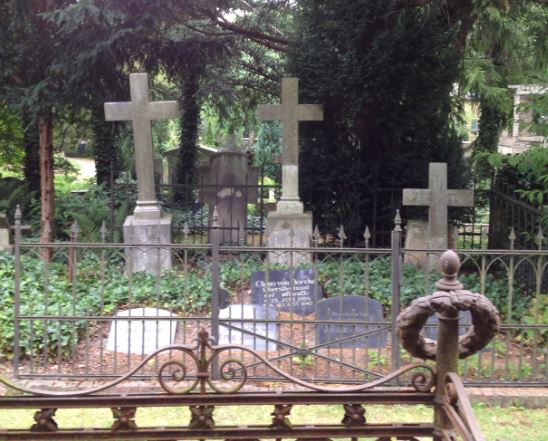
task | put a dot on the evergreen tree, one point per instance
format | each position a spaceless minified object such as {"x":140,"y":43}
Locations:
{"x":385,"y":77}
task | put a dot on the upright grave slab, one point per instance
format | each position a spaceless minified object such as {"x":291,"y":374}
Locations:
{"x":346,"y":321}
{"x":148,"y":225}
{"x":229,"y":183}
{"x":289,"y":226}
{"x":431,"y":328}
{"x":296,"y":291}
{"x":5,"y":236}
{"x":246,"y":325}
{"x":437,"y":198}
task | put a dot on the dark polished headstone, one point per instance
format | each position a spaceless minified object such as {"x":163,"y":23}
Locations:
{"x":296,"y":291}
{"x":431,"y":328}
{"x":350,"y":316}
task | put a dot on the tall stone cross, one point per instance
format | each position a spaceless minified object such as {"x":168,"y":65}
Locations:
{"x":438,"y":198}
{"x":140,"y":110}
{"x":290,"y":112}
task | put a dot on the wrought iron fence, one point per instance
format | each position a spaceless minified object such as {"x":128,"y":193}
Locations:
{"x":329,"y":317}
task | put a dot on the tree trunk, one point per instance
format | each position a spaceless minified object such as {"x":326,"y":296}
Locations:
{"x":105,"y":150}
{"x":31,"y":166}
{"x":47,"y":196}
{"x":190,"y":121}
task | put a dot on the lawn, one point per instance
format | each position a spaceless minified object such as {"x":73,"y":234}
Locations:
{"x":511,"y":423}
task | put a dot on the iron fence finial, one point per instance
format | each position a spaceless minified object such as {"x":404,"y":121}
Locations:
{"x":512,"y":236}
{"x":366,"y":236}
{"x":342,"y":235}
{"x":215,"y":223}
{"x":18,"y":214}
{"x":397,"y":221}
{"x":103,"y":231}
{"x":449,"y":268}
{"x":540,"y":237}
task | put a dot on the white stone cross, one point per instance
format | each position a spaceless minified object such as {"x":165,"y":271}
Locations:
{"x":141,"y":111}
{"x":438,"y":198}
{"x":290,"y":112}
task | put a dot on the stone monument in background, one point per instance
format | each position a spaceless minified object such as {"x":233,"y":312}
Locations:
{"x":148,"y":225}
{"x":228,"y":182}
{"x":434,"y":234}
{"x":289,"y":225}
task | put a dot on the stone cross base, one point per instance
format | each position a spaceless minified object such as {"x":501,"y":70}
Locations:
{"x":153,"y":260}
{"x":278,"y":230}
{"x":416,"y":234}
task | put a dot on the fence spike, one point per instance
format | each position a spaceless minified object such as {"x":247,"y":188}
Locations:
{"x":397,"y":221}
{"x":512,"y":236}
{"x":540,"y":237}
{"x":341,"y":234}
{"x":366,"y":236}
{"x":316,"y":233}
{"x":103,"y":231}
{"x":74,"y":229}
{"x":241,"y":234}
{"x":215,"y":223}
{"x":18,"y":214}
{"x":186,"y":230}
{"x":47,"y":229}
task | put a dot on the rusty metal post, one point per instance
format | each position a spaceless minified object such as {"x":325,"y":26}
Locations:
{"x":215,"y":282}
{"x":17,"y":293}
{"x":396,"y":287}
{"x":448,"y":339}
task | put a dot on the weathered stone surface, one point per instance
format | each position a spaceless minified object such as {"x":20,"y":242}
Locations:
{"x":5,"y":236}
{"x":256,"y":328}
{"x":438,"y":198}
{"x":151,"y":259}
{"x":290,"y":113}
{"x":416,"y":237}
{"x":345,"y":310}
{"x":141,"y":336}
{"x":140,"y":110}
{"x":229,"y":183}
{"x":289,"y":230}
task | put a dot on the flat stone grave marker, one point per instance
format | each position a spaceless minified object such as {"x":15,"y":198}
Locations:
{"x":141,"y":336}
{"x":345,"y":310}
{"x":431,"y":332}
{"x":257,"y":328}
{"x":296,"y":291}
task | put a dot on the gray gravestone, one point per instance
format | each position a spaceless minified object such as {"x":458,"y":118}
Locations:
{"x":431,"y":332}
{"x":229,"y":183}
{"x":352,"y":314}
{"x":289,"y":226}
{"x":438,"y":198}
{"x":256,"y":327}
{"x":141,"y":336}
{"x":147,"y":225}
{"x":294,"y":291}
{"x":5,"y":244}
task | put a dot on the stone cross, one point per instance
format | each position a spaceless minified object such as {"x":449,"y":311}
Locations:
{"x":438,"y":198}
{"x":290,"y":112}
{"x":140,"y":110}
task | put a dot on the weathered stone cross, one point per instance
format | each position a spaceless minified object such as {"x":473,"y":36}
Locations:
{"x":438,"y":198}
{"x":141,"y":111}
{"x":290,"y":112}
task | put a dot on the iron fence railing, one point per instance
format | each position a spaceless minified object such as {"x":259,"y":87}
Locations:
{"x":82,"y":314}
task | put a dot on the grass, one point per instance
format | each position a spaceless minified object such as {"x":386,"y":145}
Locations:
{"x":510,"y":423}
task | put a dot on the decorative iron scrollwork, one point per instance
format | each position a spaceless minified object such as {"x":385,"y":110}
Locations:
{"x":354,"y":415}
{"x":280,"y":417}
{"x":201,"y":417}
{"x":44,"y":421}
{"x":125,"y":418}
{"x":175,"y":377}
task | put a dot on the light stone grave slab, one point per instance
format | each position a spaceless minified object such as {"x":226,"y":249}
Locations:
{"x":431,"y":332}
{"x":5,"y":244}
{"x":143,"y":336}
{"x":231,"y":315}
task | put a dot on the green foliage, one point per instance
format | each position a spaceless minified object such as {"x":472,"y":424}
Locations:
{"x":14,"y":192}
{"x":385,"y":78}
{"x":11,"y":140}
{"x":267,"y":149}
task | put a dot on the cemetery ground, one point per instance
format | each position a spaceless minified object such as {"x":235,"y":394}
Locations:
{"x":512,"y":423}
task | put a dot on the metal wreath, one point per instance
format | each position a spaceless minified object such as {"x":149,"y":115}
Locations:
{"x":485,"y":322}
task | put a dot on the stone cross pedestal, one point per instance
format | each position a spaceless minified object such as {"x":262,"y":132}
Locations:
{"x":147,"y":226}
{"x":438,"y":198}
{"x":289,"y":225}
{"x":229,"y":183}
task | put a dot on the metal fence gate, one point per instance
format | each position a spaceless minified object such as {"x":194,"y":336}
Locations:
{"x":83,"y":315}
